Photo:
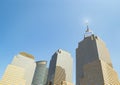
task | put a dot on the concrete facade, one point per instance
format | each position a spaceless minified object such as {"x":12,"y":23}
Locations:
{"x":93,"y":62}
{"x":13,"y":75}
{"x":60,"y":69}
{"x":27,"y":62}
{"x":66,"y":83}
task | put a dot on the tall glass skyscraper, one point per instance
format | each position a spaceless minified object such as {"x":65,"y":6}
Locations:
{"x":60,"y":69}
{"x":93,"y":64}
{"x":41,"y":73}
{"x":27,"y":62}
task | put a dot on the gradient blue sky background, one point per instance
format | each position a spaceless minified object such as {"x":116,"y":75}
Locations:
{"x":40,"y":27}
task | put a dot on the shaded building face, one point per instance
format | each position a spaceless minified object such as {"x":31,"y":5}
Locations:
{"x":92,"y":58}
{"x":41,"y":72}
{"x":60,"y":68}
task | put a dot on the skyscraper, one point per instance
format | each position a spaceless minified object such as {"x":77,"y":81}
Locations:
{"x":13,"y":75}
{"x":93,"y":64}
{"x":27,"y":62}
{"x":41,"y":73}
{"x":60,"y":68}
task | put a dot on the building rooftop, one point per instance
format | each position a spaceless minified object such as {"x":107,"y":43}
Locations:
{"x":26,"y":55}
{"x":88,"y":32}
{"x":59,"y":51}
{"x":41,"y":62}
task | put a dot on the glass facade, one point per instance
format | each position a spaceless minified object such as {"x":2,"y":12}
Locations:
{"x":60,"y":68}
{"x":41,"y":72}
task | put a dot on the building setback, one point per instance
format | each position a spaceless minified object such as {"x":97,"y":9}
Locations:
{"x":27,"y":62}
{"x":60,"y":69}
{"x":41,"y":73}
{"x":13,"y":75}
{"x":93,"y":64}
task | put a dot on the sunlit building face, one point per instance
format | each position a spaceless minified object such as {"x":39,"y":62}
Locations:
{"x":13,"y":75}
{"x":27,"y":62}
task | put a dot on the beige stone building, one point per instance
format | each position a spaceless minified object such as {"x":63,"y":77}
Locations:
{"x":13,"y":76}
{"x":27,"y":62}
{"x":66,"y":83}
{"x":63,"y":83}
{"x":20,"y":71}
{"x":93,"y":64}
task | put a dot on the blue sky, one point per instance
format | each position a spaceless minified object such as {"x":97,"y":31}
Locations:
{"x":40,"y":27}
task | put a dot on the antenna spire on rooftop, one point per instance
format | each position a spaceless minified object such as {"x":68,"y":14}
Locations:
{"x":87,"y":26}
{"x":88,"y":32}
